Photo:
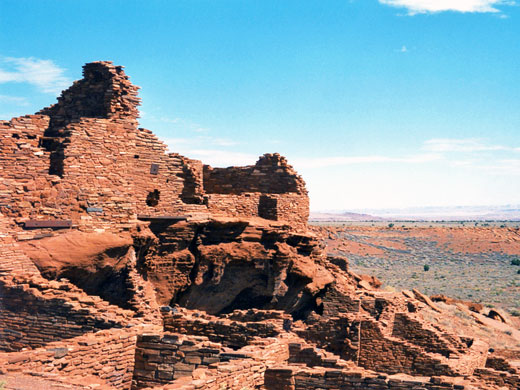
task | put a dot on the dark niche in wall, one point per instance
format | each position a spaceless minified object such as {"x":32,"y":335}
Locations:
{"x":152,"y":199}
{"x":268,"y":207}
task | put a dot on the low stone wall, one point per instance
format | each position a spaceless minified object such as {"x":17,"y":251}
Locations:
{"x":500,"y":364}
{"x":244,"y":372}
{"x":312,"y":357}
{"x":499,"y":378}
{"x":335,"y":302}
{"x":298,"y":378}
{"x":277,"y":207}
{"x":270,"y":189}
{"x":236,"y":375}
{"x":36,"y":312}
{"x":161,"y":358}
{"x":107,"y":355}
{"x":414,"y":331}
{"x":227,"y":332}
{"x":392,"y":355}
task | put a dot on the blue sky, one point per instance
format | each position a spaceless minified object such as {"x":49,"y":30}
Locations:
{"x":377,"y":103}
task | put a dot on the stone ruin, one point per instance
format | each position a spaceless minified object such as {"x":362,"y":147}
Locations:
{"x":123,"y":266}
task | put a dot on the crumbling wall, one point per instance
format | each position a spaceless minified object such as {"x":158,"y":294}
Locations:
{"x":229,"y":333}
{"x":270,"y":189}
{"x":107,"y":355}
{"x":416,"y":332}
{"x":499,"y":378}
{"x":85,"y":159}
{"x":25,"y":183}
{"x":162,"y":358}
{"x":243,"y":369}
{"x":298,"y":378}
{"x":391,"y":355}
{"x":38,"y":312}
{"x":127,"y":173}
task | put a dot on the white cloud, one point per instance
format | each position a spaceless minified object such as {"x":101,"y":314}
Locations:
{"x":322,"y":162}
{"x":218,"y":158}
{"x":463,"y":145}
{"x":198,"y":141}
{"x":16,"y":100}
{"x":507,"y":167}
{"x":178,"y":123}
{"x":44,"y":74}
{"x":431,"y":6}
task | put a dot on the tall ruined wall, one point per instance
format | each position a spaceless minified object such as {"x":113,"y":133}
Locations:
{"x":119,"y":170}
{"x":85,"y":159}
{"x":24,"y":165}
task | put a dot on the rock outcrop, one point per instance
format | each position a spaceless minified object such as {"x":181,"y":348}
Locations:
{"x":122,"y":266}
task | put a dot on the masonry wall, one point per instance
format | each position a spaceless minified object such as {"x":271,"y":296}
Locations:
{"x":85,"y":159}
{"x":119,"y":170}
{"x":416,"y":332}
{"x":290,"y":207}
{"x":271,"y":189}
{"x":392,"y":355}
{"x":225,"y":331}
{"x":108,"y":355}
{"x":499,"y":378}
{"x":13,"y":261}
{"x":240,"y":370}
{"x":39,"y":312}
{"x":294,"y":378}
{"x":25,"y":184}
{"x":161,"y":358}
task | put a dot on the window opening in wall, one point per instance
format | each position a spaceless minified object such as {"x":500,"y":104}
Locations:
{"x":153,"y":197}
{"x":268,"y":207}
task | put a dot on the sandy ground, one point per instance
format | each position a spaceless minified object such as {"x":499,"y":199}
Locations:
{"x":465,"y":262}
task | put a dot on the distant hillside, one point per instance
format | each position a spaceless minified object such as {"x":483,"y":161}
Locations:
{"x":343,"y":216}
{"x":451,"y":213}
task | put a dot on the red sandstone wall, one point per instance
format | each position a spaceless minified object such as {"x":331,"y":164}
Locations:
{"x":269,"y":189}
{"x":108,"y":355}
{"x":292,"y":378}
{"x":38,"y":312}
{"x":230,"y":333}
{"x":290,"y":207}
{"x":161,"y":358}
{"x":87,"y":152}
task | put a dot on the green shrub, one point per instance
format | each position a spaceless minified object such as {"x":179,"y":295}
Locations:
{"x":390,"y":225}
{"x":426,"y":267}
{"x":515,"y":262}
